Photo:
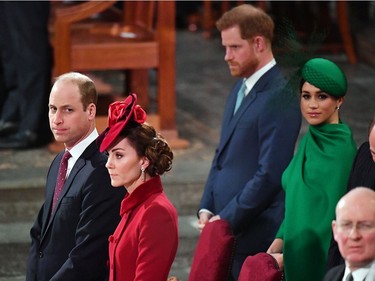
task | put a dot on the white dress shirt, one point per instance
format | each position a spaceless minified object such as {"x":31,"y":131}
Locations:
{"x":79,"y":148}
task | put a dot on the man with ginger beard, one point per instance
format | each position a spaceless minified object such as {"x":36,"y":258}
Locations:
{"x":259,"y":131}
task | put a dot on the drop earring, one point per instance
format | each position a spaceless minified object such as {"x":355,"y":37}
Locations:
{"x":143,"y":175}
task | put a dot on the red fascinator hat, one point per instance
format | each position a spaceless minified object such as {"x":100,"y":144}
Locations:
{"x":119,"y":115}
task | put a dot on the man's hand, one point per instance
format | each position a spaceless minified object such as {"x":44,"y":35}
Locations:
{"x":204,"y":217}
{"x":214,"y":218}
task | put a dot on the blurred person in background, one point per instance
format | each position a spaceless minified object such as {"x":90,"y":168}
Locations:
{"x":26,"y":62}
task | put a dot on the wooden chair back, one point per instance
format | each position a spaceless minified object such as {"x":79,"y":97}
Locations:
{"x":137,"y":38}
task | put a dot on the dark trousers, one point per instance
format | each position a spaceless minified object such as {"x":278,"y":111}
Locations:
{"x":26,"y":63}
{"x":238,"y":261}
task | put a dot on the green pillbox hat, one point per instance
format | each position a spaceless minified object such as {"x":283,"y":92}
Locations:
{"x":325,"y":75}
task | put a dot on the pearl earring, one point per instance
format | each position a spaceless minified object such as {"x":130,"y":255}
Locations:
{"x":143,"y":175}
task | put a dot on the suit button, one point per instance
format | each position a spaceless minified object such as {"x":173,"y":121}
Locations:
{"x":218,"y":167}
{"x":41,"y":254}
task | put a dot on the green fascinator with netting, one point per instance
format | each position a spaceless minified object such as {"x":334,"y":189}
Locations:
{"x":325,"y":75}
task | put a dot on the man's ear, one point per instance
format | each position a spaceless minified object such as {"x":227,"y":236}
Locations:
{"x":259,"y":43}
{"x":334,"y":229}
{"x":91,"y":110}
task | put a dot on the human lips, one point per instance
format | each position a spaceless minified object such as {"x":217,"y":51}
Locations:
{"x":59,"y":131}
{"x":232,"y":65}
{"x":313,"y":114}
{"x":112,"y":175}
{"x":355,"y":248}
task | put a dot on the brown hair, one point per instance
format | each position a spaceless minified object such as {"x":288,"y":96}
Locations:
{"x":85,"y":85}
{"x":147,"y":142}
{"x":252,"y":21}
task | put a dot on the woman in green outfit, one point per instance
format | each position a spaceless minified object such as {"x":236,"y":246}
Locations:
{"x":317,"y":176}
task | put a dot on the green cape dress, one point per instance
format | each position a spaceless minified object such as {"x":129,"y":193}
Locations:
{"x":314,"y":181}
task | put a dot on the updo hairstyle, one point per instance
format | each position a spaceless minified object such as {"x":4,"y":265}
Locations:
{"x":147,"y":142}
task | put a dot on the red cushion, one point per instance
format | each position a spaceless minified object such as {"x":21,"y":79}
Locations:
{"x":214,"y":252}
{"x":260,"y":267}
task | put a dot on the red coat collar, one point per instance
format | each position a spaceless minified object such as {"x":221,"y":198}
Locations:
{"x":141,"y":194}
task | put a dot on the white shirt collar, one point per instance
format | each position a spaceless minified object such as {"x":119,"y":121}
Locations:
{"x":77,"y":150}
{"x":371,"y":275}
{"x":250,"y":81}
{"x":360,"y":273}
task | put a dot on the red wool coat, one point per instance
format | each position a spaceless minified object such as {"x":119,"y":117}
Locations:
{"x":145,"y":242}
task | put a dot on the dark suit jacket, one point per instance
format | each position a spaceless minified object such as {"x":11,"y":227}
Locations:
{"x":73,"y":244}
{"x":335,"y":274}
{"x":256,"y":145}
{"x":362,"y":174}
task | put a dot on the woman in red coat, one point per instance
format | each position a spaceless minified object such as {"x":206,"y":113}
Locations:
{"x":145,"y":242}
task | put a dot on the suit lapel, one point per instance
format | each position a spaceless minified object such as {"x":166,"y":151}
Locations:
{"x":50,"y":190}
{"x":231,"y":121}
{"x":80,"y":163}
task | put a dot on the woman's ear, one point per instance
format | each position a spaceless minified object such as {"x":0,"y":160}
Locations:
{"x":145,"y":162}
{"x":340,"y":102}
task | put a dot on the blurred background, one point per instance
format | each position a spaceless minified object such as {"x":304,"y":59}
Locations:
{"x":170,"y":54}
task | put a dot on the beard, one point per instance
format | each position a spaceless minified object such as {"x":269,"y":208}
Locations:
{"x":246,"y":69}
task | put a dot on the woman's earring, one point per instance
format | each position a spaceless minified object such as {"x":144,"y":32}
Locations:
{"x":337,"y":107}
{"x":143,"y":175}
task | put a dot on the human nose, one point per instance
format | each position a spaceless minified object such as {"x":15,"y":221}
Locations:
{"x":313,"y":103}
{"x":354,"y":232}
{"x":108,"y":165}
{"x":57,"y":118}
{"x":228,"y":54}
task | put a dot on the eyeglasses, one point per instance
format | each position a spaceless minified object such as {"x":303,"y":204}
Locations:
{"x":362,"y":227}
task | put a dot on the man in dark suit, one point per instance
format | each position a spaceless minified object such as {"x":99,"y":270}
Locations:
{"x":354,"y":231}
{"x":362,"y":174}
{"x":257,"y":139}
{"x":70,"y":238}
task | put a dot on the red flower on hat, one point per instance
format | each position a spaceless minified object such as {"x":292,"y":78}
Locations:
{"x":120,"y":110}
{"x":139,"y":114}
{"x":116,"y":112}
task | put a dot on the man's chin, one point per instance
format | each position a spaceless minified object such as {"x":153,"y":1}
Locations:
{"x":59,"y":139}
{"x":235,"y":73}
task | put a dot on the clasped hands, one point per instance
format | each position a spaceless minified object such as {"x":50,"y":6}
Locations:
{"x":205,"y":217}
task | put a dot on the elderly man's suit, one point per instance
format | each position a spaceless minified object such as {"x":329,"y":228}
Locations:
{"x":73,"y":243}
{"x":256,"y":145}
{"x":335,"y":274}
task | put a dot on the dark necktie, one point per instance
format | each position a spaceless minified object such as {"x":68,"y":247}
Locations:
{"x":60,"y":179}
{"x":349,"y":277}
